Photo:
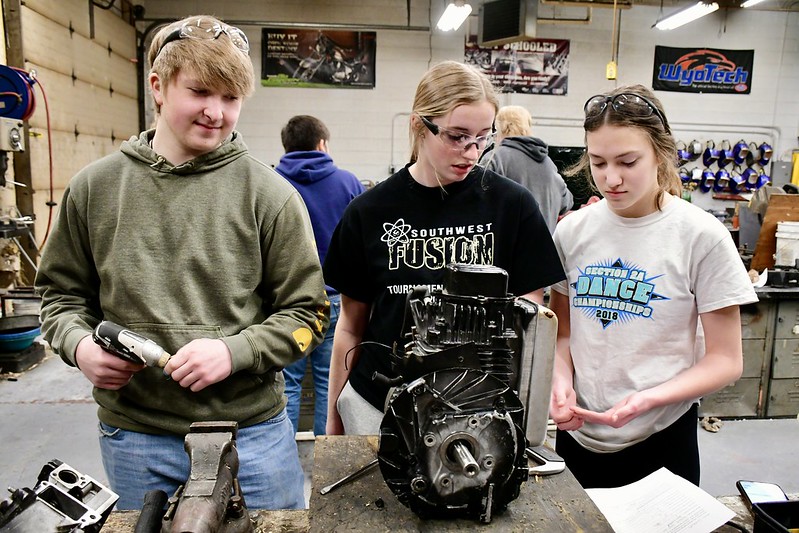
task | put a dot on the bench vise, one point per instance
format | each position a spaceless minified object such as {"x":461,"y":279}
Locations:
{"x":211,"y":500}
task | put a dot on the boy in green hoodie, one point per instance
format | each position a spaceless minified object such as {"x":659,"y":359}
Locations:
{"x":185,"y":238}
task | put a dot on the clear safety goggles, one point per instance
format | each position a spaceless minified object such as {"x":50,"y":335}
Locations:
{"x":457,"y":140}
{"x":206,"y":29}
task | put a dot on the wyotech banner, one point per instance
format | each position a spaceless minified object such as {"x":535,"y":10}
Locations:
{"x":703,"y":70}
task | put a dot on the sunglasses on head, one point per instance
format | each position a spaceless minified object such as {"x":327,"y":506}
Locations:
{"x":626,"y":104}
{"x":206,"y":29}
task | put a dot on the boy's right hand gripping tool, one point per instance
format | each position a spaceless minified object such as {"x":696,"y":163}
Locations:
{"x":128,"y":345}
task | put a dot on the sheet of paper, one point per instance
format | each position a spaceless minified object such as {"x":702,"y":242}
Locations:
{"x":662,"y":502}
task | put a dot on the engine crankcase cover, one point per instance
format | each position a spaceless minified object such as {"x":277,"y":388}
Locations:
{"x":451,"y":444}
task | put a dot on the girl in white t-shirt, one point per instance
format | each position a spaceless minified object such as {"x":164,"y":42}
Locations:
{"x":646,"y":273}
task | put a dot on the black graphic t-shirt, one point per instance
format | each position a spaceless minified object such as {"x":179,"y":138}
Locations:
{"x":401,"y":234}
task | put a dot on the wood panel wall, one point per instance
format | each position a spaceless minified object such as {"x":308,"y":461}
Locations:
{"x":84,"y":59}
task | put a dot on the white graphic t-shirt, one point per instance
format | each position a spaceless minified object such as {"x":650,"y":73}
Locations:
{"x":636,"y":287}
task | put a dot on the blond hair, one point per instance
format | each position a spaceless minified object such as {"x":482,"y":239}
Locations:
{"x":514,"y":121}
{"x":444,"y":87}
{"x":216,"y":63}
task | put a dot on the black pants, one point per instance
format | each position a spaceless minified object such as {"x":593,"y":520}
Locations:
{"x":675,"y":447}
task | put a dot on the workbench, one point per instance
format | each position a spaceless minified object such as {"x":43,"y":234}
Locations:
{"x":546,"y":504}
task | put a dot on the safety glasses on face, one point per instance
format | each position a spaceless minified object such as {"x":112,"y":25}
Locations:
{"x":206,"y":29}
{"x":457,"y":140}
{"x":627,"y":104}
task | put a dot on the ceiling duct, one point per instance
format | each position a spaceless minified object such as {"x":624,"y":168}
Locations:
{"x":765,"y":5}
{"x":506,"y":21}
{"x":620,"y":4}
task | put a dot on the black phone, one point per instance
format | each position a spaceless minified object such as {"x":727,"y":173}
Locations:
{"x":760,"y":492}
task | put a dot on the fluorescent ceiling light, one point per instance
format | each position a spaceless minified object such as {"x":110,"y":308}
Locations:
{"x":454,"y":15}
{"x":750,"y":3}
{"x":698,"y":10}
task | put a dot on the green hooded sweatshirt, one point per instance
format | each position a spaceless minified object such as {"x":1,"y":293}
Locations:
{"x":218,"y":247}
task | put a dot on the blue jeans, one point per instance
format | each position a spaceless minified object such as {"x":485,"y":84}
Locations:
{"x":320,"y":370}
{"x":270,"y":473}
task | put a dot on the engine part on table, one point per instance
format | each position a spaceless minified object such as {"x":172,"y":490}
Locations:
{"x":451,"y":444}
{"x":473,"y":322}
{"x":211,"y":500}
{"x":63,"y":501}
{"x":476,"y":378}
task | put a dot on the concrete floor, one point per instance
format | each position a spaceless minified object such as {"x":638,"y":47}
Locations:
{"x":47,"y":412}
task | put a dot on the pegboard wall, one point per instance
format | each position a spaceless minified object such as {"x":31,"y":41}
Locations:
{"x":724,"y":166}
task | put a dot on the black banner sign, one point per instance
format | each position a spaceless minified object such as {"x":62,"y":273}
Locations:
{"x":703,"y":70}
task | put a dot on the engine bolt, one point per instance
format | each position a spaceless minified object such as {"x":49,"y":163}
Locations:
{"x":418,"y":484}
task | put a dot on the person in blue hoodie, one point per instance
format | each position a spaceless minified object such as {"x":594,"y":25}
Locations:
{"x":525,"y":159}
{"x":326,"y":190}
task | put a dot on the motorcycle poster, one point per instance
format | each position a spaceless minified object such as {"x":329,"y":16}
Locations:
{"x":532,"y":66}
{"x":318,"y":58}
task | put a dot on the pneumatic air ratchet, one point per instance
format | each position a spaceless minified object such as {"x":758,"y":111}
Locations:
{"x":128,"y":345}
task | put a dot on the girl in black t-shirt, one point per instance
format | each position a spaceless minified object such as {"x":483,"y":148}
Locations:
{"x":441,"y":208}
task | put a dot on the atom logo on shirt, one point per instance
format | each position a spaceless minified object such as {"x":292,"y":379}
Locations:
{"x":395,"y":233}
{"x":436,"y":247}
{"x":615,"y":292}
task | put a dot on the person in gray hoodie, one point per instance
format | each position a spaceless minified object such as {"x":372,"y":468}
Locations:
{"x":524,"y":159}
